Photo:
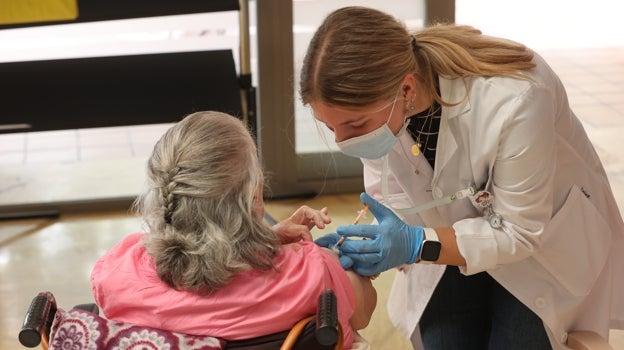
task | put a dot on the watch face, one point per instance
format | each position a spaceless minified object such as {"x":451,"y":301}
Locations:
{"x":495,"y":220}
{"x":430,"y":250}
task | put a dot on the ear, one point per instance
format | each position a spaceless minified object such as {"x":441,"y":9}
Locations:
{"x":408,"y":88}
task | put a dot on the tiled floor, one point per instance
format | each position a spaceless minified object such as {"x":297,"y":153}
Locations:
{"x":73,"y":165}
{"x":79,"y":145}
{"x":57,"y":254}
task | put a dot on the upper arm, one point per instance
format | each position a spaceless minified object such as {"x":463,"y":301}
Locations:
{"x":515,"y":140}
{"x":365,"y":297}
{"x":524,"y":170}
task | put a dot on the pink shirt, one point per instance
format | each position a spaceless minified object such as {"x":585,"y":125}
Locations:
{"x":255,"y":303}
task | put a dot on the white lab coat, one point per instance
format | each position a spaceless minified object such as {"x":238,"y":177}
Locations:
{"x":561,"y":247}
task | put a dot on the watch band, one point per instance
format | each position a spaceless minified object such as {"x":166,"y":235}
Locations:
{"x":430,"y":247}
{"x":430,"y":234}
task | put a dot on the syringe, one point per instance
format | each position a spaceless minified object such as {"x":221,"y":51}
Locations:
{"x":355,"y":222}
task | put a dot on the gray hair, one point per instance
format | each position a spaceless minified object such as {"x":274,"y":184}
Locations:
{"x":203,"y":176}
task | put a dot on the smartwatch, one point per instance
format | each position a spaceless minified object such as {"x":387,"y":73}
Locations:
{"x":430,"y":247}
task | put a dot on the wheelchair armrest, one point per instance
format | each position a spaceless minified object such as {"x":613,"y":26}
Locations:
{"x":327,"y":318}
{"x":38,"y":320}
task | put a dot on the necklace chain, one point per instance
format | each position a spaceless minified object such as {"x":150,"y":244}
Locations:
{"x":428,"y":121}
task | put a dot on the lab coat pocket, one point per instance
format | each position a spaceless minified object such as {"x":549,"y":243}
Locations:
{"x":576,"y":244}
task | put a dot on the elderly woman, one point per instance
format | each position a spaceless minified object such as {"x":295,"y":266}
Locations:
{"x":209,"y":264}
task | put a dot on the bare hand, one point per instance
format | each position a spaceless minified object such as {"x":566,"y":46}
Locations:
{"x":297,"y":227}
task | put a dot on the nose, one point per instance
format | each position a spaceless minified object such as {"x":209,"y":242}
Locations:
{"x":337,"y":139}
{"x":340,"y":136}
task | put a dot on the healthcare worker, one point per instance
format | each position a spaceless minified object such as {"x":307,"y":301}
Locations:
{"x":496,"y":207}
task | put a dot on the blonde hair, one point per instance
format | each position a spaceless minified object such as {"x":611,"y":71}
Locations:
{"x":203,"y":176}
{"x":360,"y":55}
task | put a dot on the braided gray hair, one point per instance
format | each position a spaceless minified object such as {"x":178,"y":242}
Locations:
{"x":203,"y":177}
{"x":167,"y":193}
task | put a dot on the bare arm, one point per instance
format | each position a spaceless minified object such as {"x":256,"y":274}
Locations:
{"x":365,"y":300}
{"x":449,"y":254}
{"x":365,"y":297}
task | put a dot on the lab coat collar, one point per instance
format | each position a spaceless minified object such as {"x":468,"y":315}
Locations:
{"x":452,"y":91}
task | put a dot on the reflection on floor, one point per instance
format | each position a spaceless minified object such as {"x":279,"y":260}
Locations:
{"x":58,"y":254}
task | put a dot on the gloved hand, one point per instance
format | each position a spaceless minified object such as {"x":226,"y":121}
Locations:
{"x":329,"y":241}
{"x":390,"y":244}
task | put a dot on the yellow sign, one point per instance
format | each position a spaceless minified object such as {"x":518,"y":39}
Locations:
{"x":31,"y":11}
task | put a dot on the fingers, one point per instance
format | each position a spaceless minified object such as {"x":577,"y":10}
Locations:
{"x":290,"y":232}
{"x":301,"y":232}
{"x":378,"y":209}
{"x":359,"y":246}
{"x":306,"y":236}
{"x":365,"y":231}
{"x":366,"y":264}
{"x":311,"y":217}
{"x":346,"y":262}
{"x":318,"y":218}
{"x":327,"y":240}
{"x":297,"y":227}
{"x":362,"y":259}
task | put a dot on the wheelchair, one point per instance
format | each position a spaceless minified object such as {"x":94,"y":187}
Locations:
{"x":82,"y":327}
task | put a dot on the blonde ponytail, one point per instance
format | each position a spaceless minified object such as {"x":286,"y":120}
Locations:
{"x":454,"y":51}
{"x":360,"y":55}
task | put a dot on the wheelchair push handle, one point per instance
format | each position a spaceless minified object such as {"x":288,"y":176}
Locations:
{"x":327,"y":319}
{"x":38,"y":319}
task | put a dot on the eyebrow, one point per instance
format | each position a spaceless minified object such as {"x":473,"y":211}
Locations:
{"x":361,"y":119}
{"x":356,"y":118}
{"x":359,"y":116}
{"x":366,"y":114}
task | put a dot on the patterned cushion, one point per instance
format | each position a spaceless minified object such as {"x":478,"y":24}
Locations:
{"x":81,"y":330}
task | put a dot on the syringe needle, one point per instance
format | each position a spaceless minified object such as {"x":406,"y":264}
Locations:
{"x":355,"y":222}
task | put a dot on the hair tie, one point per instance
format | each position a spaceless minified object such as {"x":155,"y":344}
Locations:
{"x":414,"y":44}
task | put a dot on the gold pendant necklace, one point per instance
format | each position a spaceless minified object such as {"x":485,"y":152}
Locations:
{"x":428,"y":121}
{"x":416,"y":149}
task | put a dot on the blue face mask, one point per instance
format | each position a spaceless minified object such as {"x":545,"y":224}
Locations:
{"x":374,"y":144}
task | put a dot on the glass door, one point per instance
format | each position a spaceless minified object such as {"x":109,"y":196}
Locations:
{"x":299,"y":155}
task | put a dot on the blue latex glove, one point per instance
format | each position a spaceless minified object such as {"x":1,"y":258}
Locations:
{"x":390,"y":244}
{"x":328,"y":241}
